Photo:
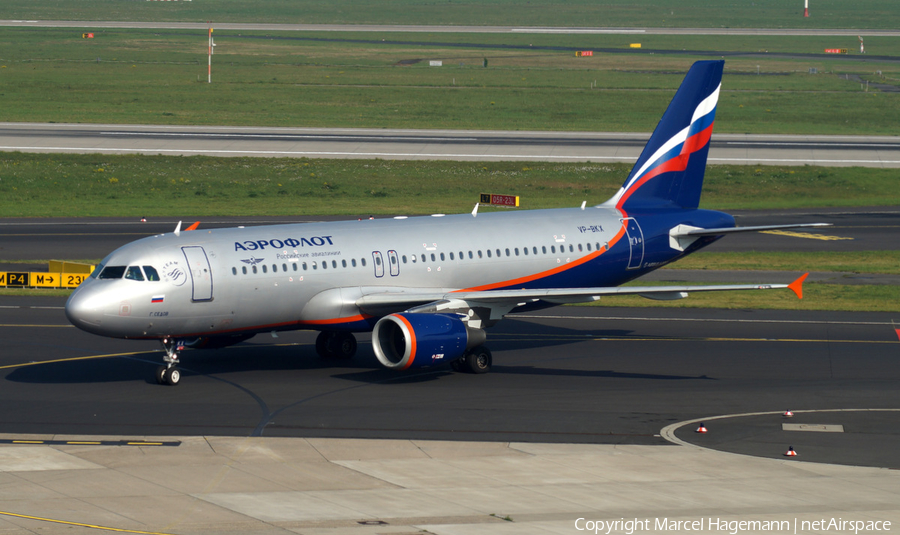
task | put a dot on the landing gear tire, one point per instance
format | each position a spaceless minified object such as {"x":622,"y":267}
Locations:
{"x":335,"y":345}
{"x":172,"y":376}
{"x":457,"y":365}
{"x":161,"y":375}
{"x":478,"y":360}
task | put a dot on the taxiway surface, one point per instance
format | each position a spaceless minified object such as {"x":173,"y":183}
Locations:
{"x":569,"y":374}
{"x":738,"y":149}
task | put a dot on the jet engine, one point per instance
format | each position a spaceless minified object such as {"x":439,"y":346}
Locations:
{"x":404,"y":341}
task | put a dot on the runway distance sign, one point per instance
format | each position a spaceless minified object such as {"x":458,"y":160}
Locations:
{"x":41,"y":280}
{"x":502,"y":200}
{"x":13,"y":279}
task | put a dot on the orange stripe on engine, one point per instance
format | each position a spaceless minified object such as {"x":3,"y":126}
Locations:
{"x":412,"y":341}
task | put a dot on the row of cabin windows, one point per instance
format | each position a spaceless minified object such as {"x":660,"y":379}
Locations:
{"x":264,"y":268}
{"x":490,"y":253}
{"x":498,"y":253}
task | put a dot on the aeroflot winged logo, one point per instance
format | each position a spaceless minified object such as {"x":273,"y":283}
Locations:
{"x":253,"y":260}
{"x":674,"y":154}
{"x":251,"y":245}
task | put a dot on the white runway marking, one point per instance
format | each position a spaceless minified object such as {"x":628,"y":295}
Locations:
{"x":435,"y":156}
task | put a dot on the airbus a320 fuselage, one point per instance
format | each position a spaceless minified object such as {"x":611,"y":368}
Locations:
{"x":426,"y":286}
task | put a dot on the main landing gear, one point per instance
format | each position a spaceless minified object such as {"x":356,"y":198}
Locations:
{"x":170,"y":374}
{"x":476,"y":360}
{"x":335,"y":345}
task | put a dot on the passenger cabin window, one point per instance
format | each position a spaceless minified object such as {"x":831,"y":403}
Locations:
{"x":112,"y":272}
{"x":134,"y":273}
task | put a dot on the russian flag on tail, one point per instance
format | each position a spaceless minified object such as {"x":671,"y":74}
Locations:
{"x":670,"y":169}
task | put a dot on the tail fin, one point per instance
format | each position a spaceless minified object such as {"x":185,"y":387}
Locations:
{"x":671,"y":167}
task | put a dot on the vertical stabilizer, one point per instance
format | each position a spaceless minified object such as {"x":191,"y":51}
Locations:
{"x":669,"y":172}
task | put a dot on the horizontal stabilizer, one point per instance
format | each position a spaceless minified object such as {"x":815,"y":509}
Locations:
{"x":682,"y":236}
{"x":731,"y":230}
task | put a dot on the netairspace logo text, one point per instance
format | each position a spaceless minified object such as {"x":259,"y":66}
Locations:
{"x":732,"y":527}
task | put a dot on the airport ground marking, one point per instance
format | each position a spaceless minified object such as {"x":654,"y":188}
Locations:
{"x":71,"y":359}
{"x":140,"y":443}
{"x":694,"y":320}
{"x":82,"y":525}
{"x":36,"y":325}
{"x":437,"y":155}
{"x":668,"y":432}
{"x":806,"y":235}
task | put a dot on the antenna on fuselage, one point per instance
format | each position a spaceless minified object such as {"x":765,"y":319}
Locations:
{"x":178,"y":229}
{"x":583,"y":204}
{"x":475,"y":210}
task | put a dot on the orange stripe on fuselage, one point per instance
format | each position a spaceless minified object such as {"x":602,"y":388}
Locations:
{"x":549,"y":272}
{"x":333,"y":321}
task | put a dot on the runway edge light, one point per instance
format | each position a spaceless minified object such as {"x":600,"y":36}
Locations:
{"x":702,"y":429}
{"x":790,"y":452}
{"x":788,"y":414}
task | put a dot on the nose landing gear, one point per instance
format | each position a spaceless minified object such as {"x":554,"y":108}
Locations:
{"x":170,"y":374}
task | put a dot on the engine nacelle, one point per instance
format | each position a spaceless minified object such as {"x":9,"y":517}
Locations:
{"x":405,"y":341}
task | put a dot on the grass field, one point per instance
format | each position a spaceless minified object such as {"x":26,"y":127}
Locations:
{"x":53,"y":75}
{"x":652,"y":13}
{"x":106,"y":185}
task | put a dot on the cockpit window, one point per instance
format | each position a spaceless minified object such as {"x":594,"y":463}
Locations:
{"x":112,"y":272}
{"x":151,"y":273}
{"x":134,"y":273}
{"x":96,"y":273}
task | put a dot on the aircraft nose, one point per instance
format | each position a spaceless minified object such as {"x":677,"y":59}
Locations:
{"x":84,"y":310}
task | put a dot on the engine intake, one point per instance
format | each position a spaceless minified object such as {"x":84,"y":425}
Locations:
{"x":406,"y":341}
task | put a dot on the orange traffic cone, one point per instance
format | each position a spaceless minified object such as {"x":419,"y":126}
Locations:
{"x":788,"y":414}
{"x":701,"y":429}
{"x":790,"y":452}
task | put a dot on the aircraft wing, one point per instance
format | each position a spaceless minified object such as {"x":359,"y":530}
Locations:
{"x":506,"y":300}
